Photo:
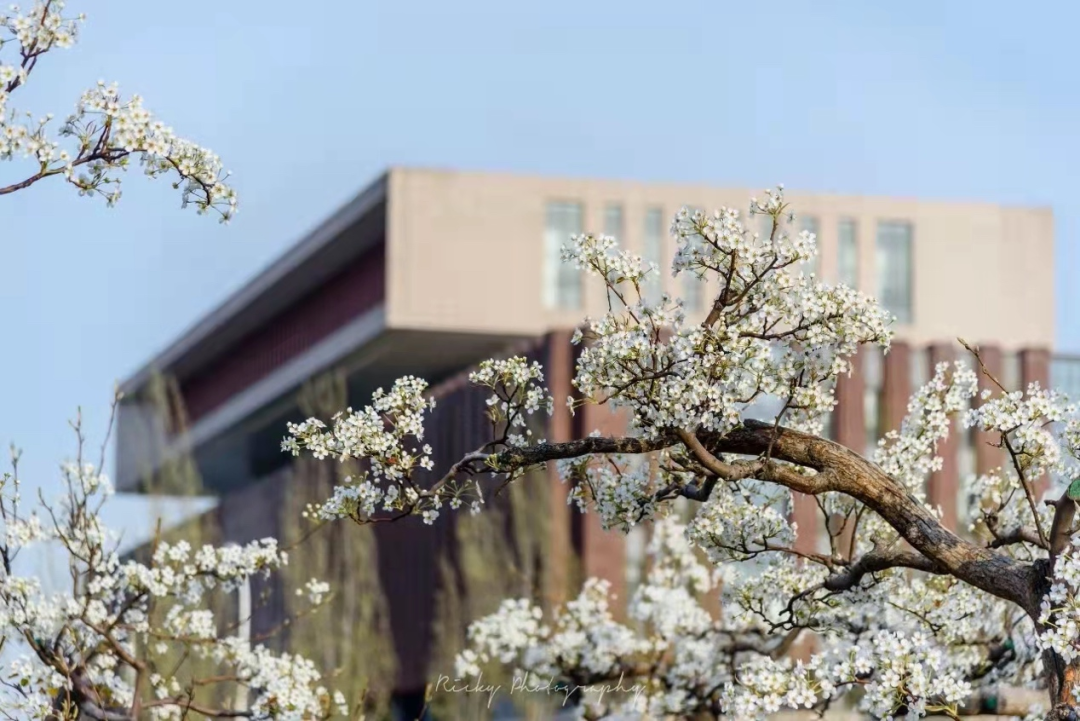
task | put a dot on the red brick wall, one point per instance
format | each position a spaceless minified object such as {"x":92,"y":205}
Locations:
{"x":849,"y":416}
{"x":987,"y":455}
{"x":944,"y":485}
{"x":602,"y":553}
{"x":559,"y":370}
{"x":896,"y":386}
{"x":358,"y":288}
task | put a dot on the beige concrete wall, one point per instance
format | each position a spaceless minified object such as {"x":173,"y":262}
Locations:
{"x":466,"y":252}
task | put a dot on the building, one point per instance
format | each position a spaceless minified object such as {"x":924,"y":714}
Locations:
{"x":428,"y":272}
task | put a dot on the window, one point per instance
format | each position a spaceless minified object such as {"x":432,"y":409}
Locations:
{"x":1065,"y":375}
{"x":654,"y":253}
{"x":894,"y":265}
{"x":562,"y":281}
{"x":765,"y":224}
{"x":810,"y":225}
{"x":847,"y":253}
{"x":264,"y":456}
{"x":613,"y":221}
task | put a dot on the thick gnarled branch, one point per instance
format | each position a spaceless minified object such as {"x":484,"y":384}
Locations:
{"x":838,"y":470}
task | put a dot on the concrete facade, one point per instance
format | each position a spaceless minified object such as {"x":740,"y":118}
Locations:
{"x":466,"y":228}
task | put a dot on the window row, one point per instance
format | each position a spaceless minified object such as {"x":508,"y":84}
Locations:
{"x":893,"y":249}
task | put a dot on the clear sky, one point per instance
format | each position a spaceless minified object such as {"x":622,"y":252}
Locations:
{"x":307,"y":102}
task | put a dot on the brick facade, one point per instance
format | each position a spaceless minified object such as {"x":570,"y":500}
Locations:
{"x":943,"y":487}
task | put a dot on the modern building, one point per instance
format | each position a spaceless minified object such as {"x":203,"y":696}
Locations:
{"x":428,"y":272}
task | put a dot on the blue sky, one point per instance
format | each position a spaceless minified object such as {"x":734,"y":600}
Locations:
{"x":307,"y":102}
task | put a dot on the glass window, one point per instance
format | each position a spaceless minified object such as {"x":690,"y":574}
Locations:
{"x":810,"y":224}
{"x":847,"y":253}
{"x":654,"y":253}
{"x":613,"y":221}
{"x":765,"y":224}
{"x":894,"y":266}
{"x":1065,"y":375}
{"x":562,"y":281}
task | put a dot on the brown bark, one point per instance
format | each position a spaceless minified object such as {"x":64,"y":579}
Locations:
{"x":838,"y":469}
{"x":933,"y":547}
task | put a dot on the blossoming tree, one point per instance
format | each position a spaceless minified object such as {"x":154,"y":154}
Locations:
{"x":124,"y":639}
{"x":906,"y":616}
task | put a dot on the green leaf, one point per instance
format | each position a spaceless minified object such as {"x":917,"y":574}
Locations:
{"x":1074,"y":490}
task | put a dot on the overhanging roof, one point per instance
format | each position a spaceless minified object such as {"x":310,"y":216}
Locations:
{"x":295,"y":273}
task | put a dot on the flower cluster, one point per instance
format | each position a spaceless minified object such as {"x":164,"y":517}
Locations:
{"x":42,"y":26}
{"x":1060,"y":611}
{"x":618,"y":488}
{"x":770,"y":332}
{"x":517,"y":392}
{"x":382,"y":435}
{"x":178,"y":571}
{"x":1026,"y":422}
{"x":740,"y":522}
{"x":120,"y":620}
{"x":687,"y":660}
{"x":909,"y":454}
{"x":601,"y":255}
{"x":105,"y":131}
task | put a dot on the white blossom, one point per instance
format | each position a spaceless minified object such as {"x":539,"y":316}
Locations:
{"x":118,"y":618}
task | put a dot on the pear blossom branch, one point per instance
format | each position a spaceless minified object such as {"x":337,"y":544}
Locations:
{"x":106,"y":131}
{"x":98,"y":649}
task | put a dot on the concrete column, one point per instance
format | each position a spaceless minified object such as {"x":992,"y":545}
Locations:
{"x":1035,"y":367}
{"x":848,"y":429}
{"x":581,"y":547}
{"x":849,"y":416}
{"x":895,"y":385}
{"x":943,"y":487}
{"x":559,"y":370}
{"x":602,"y":552}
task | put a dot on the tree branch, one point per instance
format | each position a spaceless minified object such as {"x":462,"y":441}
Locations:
{"x":840,"y":470}
{"x":1020,"y":534}
{"x":1061,"y":528}
{"x":877,"y":561}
